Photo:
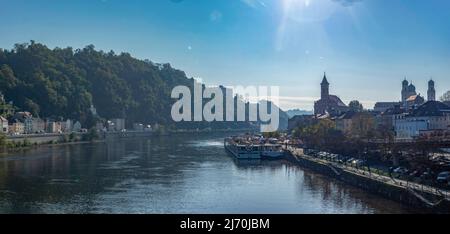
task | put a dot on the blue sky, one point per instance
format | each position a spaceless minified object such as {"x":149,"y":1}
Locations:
{"x":366,"y":47}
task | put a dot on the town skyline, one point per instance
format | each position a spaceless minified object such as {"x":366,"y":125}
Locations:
{"x":244,"y":108}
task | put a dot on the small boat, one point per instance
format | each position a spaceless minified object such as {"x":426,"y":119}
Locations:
{"x":242,"y":150}
{"x":272,"y":151}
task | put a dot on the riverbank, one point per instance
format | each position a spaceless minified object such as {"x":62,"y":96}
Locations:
{"x":24,"y":142}
{"x":411,"y":194}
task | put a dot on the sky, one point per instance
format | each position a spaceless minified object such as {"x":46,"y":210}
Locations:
{"x":366,"y":47}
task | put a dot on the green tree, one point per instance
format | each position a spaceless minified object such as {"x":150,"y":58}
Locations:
{"x":271,"y":134}
{"x":63,"y":82}
{"x":356,"y":106}
{"x":91,"y":135}
{"x":32,"y":107}
{"x":363,"y":125}
{"x":2,"y":140}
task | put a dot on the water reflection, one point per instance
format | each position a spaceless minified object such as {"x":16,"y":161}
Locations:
{"x":169,"y":175}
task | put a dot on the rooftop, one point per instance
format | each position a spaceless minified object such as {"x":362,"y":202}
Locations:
{"x":431,"y":108}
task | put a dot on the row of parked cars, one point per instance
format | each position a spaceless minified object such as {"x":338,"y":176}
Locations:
{"x":442,"y":178}
{"x":342,"y":159}
{"x":441,"y":160}
{"x":427,"y":175}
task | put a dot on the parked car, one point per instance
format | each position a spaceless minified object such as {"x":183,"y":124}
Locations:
{"x":342,"y":159}
{"x":334,"y":157}
{"x":443,"y":177}
{"x":358,"y":162}
{"x":415,"y":173}
{"x":400,"y":170}
{"x":425,"y":176}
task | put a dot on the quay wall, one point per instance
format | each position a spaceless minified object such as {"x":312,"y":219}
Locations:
{"x":56,"y":137}
{"x":390,"y":191}
{"x":42,"y":138}
{"x":46,"y":138}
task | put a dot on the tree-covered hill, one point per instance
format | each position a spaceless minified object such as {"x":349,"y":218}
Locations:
{"x":65,"y":82}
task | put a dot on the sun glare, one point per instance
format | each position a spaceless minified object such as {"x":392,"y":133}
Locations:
{"x":308,"y":10}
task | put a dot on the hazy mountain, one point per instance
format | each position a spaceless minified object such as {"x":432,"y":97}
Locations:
{"x":294,"y":112}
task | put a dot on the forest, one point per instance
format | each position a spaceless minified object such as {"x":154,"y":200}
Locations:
{"x":63,"y":83}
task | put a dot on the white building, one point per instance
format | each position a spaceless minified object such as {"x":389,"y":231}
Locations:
{"x":77,"y":127}
{"x":66,"y":126}
{"x":28,"y":125}
{"x":3,"y":124}
{"x":408,"y":128}
{"x":432,"y":115}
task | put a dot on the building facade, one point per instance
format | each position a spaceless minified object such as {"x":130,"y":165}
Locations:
{"x":38,"y":125}
{"x":28,"y":125}
{"x":429,"y":117}
{"x":16,"y":128}
{"x":66,"y":126}
{"x":54,"y":127}
{"x":76,"y":127}
{"x":384,"y":106}
{"x":408,"y":90}
{"x":3,"y":124}
{"x":408,"y":128}
{"x":345,"y":121}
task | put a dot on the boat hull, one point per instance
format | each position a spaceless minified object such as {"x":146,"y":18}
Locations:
{"x":272,"y":155}
{"x":240,"y":152}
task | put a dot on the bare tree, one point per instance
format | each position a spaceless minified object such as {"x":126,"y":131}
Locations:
{"x":446,"y":97}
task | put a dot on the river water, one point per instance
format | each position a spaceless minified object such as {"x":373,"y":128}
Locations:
{"x":178,"y":174}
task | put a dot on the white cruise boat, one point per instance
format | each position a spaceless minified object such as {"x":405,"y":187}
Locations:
{"x":242,"y":150}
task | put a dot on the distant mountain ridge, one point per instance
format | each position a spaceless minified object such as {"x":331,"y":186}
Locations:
{"x":294,"y":112}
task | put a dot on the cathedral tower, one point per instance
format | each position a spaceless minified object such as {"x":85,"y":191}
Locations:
{"x":325,"y":87}
{"x":431,"y":91}
{"x":405,"y":85}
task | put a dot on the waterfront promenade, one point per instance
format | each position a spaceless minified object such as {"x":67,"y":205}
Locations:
{"x":420,"y":191}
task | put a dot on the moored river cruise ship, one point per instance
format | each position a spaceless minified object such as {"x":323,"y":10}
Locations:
{"x":254,"y":147}
{"x":242,"y":150}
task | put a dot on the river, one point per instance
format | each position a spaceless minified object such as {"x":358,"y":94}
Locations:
{"x":178,"y":174}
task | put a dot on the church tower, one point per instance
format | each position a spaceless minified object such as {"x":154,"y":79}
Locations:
{"x":431,"y":91}
{"x":325,"y":87}
{"x":405,"y":85}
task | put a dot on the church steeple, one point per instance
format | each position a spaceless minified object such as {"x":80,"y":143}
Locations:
{"x":325,"y":87}
{"x":325,"y":81}
{"x":431,"y":91}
